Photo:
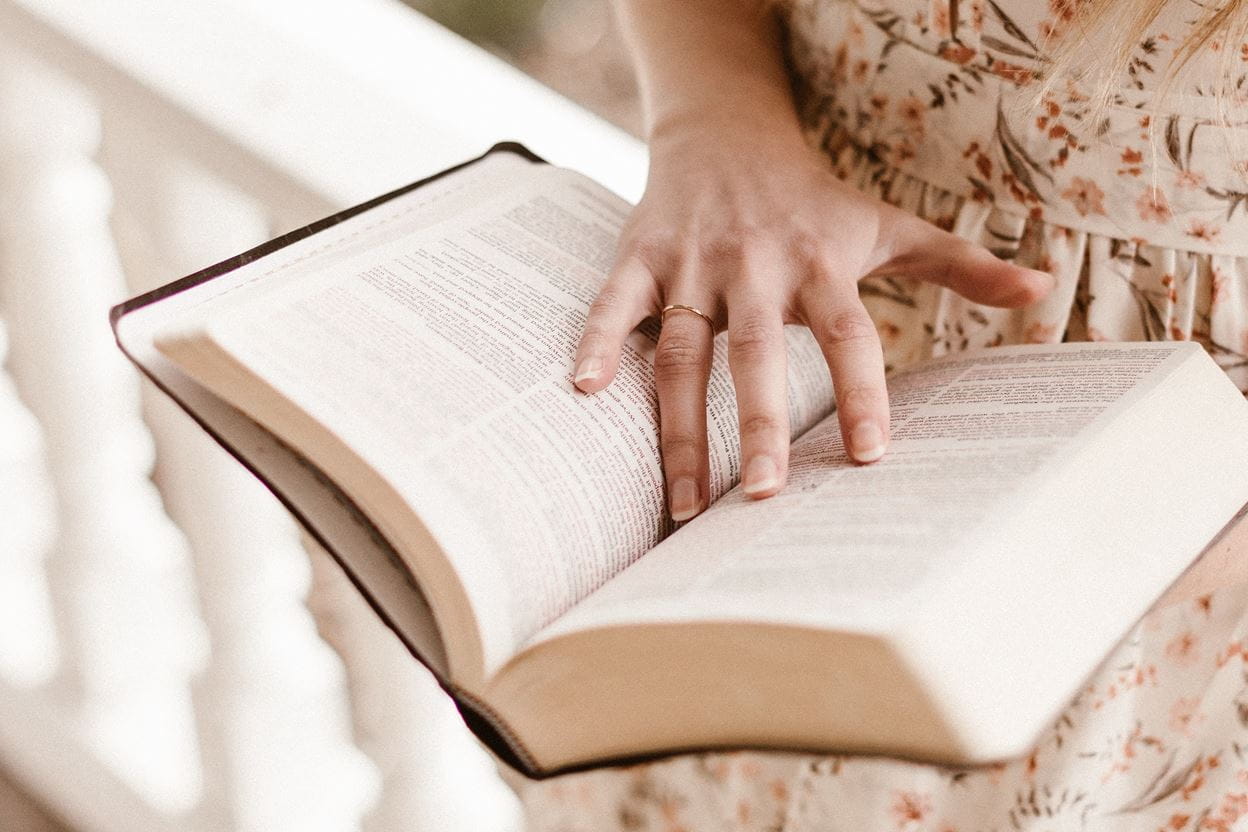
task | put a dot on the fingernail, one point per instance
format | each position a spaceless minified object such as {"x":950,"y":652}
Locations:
{"x":760,"y":475}
{"x":866,"y":442}
{"x":684,"y":499}
{"x":588,"y":370}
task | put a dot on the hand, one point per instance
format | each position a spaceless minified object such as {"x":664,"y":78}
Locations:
{"x":756,"y":231}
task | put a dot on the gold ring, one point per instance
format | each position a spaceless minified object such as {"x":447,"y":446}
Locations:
{"x":672,"y":307}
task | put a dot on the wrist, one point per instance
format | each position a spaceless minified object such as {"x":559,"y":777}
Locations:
{"x":708,"y":124}
{"x":717,"y":65}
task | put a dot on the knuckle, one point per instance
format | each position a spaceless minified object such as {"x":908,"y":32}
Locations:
{"x":760,"y":424}
{"x":735,"y":245}
{"x":609,"y":299}
{"x":725,"y":248}
{"x":592,"y":336}
{"x":804,"y":248}
{"x":680,"y":450}
{"x":652,"y":249}
{"x":676,"y":355}
{"x":819,"y":276}
{"x":752,"y":241}
{"x":948,"y":266}
{"x":846,"y":326}
{"x":859,"y":396}
{"x":752,"y":335}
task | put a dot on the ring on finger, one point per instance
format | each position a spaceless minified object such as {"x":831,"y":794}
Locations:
{"x":680,"y":307}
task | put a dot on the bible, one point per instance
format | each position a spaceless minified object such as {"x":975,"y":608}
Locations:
{"x":399,"y":375}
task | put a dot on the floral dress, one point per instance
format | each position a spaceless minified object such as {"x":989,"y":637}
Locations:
{"x":1139,"y":207}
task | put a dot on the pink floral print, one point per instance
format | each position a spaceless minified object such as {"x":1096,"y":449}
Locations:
{"x":945,"y":122}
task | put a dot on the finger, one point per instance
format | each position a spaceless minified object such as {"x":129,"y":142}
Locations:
{"x":927,"y":252}
{"x":852,"y":349}
{"x":757,"y":357}
{"x":627,"y":298}
{"x":682,"y":364}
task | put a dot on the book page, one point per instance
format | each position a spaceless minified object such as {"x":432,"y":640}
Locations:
{"x":848,"y":546}
{"x":443,"y":359}
{"x":399,"y":217}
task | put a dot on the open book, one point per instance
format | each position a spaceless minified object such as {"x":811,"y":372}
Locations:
{"x":400,"y":376}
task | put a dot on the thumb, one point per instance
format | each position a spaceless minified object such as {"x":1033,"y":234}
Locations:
{"x":928,"y":253}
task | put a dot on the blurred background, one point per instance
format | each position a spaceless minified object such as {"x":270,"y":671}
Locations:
{"x":174,"y":654}
{"x":572,"y":46}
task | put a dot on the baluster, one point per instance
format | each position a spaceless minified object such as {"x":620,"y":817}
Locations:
{"x":274,"y":713}
{"x":28,"y":645}
{"x":435,"y":776}
{"x":118,"y":574}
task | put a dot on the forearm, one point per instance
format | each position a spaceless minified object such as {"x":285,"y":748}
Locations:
{"x":717,"y":61}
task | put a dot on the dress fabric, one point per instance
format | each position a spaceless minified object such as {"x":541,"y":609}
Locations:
{"x":1139,"y":207}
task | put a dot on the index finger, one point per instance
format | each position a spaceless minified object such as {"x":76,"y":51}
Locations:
{"x":625,"y":300}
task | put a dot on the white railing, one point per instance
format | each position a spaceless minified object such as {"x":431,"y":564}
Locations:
{"x":173,"y":654}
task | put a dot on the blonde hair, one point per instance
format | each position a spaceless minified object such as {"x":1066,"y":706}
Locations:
{"x":1118,"y":27}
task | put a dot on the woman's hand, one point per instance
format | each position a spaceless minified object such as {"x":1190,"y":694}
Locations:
{"x":752,"y":227}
